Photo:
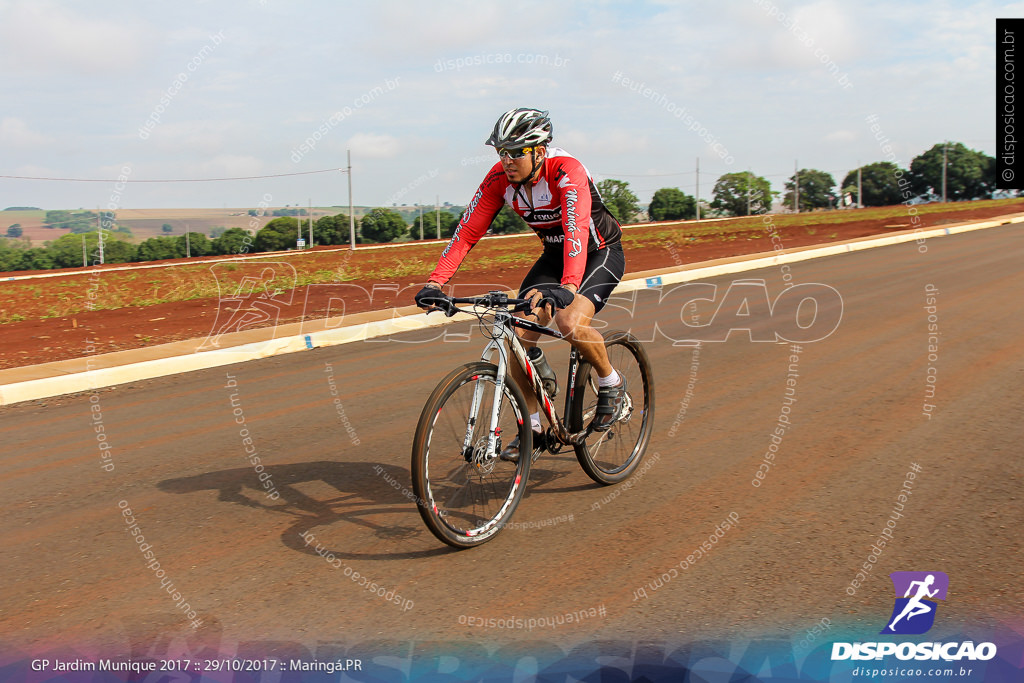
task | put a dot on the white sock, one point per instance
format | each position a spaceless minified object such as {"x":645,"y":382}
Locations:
{"x":535,"y":422}
{"x":609,"y":381}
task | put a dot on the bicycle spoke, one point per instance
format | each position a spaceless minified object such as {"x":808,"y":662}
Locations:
{"x":469,"y":489}
{"x":611,"y":456}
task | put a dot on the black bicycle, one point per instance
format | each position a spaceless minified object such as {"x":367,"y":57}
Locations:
{"x":465,"y":491}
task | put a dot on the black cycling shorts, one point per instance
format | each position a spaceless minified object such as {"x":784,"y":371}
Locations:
{"x":603,"y":272}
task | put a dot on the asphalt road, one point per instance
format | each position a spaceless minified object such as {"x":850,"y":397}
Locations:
{"x":626,"y":558}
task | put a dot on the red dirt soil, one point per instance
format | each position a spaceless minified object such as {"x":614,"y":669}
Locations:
{"x":38,"y":340}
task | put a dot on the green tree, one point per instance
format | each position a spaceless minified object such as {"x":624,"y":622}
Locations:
{"x":160,"y":249}
{"x":167,"y":228}
{"x":198,"y":244}
{"x":57,"y":218}
{"x":36,"y":258}
{"x":66,"y":251}
{"x":619,"y":199}
{"x":382,"y":225}
{"x":671,"y":203}
{"x":234,"y":241}
{"x":507,"y":222}
{"x":11,"y":255}
{"x":332,"y":229}
{"x":278,"y":235}
{"x":76,"y":221}
{"x":969,"y":174}
{"x":14,"y":230}
{"x":742,"y":193}
{"x":118,"y":250}
{"x":816,"y":190}
{"x":879,"y":182}
{"x":430,"y":220}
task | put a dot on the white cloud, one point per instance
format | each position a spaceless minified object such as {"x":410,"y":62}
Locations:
{"x":227,"y":166}
{"x":16,"y":134}
{"x":582,"y":144}
{"x":455,"y":28}
{"x":841,"y":136}
{"x":925,"y":68}
{"x":42,"y":36}
{"x":373,"y":145}
{"x":200,"y":137}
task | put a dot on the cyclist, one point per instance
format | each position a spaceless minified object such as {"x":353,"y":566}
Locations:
{"x":580,"y":265}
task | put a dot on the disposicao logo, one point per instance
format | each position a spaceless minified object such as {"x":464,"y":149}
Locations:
{"x":913,"y":614}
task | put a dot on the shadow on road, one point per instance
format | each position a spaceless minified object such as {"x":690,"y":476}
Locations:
{"x":363,"y":492}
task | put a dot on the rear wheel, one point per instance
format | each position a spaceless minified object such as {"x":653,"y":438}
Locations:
{"x":464,"y":491}
{"x":612,"y":456}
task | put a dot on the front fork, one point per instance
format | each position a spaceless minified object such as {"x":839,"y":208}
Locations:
{"x":478,"y":394}
{"x":558,"y":427}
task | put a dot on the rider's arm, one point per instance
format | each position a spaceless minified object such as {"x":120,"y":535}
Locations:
{"x":482,"y":209}
{"x":571,"y":179}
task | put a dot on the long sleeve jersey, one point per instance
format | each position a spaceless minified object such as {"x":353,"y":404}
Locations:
{"x":567,"y":211}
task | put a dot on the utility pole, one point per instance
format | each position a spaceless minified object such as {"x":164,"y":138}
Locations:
{"x":748,"y":191}
{"x":310,"y":223}
{"x":437,"y":210}
{"x":796,"y":187}
{"x":99,"y":232}
{"x":860,"y":196}
{"x":188,"y":246}
{"x":85,"y":261}
{"x":351,"y":214}
{"x":945,"y":147}
{"x":697,"y":198}
{"x":420,"y":209}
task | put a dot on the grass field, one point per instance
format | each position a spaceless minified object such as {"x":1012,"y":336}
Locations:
{"x":146,"y":223}
{"x":116,"y":289}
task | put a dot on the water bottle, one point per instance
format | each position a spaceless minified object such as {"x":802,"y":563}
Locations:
{"x":547,"y":375}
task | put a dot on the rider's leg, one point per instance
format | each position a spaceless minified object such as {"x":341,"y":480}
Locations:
{"x":574,"y":323}
{"x":603,"y":272}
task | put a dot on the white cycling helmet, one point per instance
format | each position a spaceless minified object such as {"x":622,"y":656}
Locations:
{"x":519,"y":128}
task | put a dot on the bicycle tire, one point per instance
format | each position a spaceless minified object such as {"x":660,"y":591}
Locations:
{"x":453,"y":488}
{"x":612,"y":456}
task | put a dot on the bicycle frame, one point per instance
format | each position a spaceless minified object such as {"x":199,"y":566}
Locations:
{"x":504,"y":338}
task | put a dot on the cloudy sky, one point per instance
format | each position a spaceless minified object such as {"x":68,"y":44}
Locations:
{"x":637,"y":90}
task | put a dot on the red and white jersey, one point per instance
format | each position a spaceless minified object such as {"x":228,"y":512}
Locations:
{"x":566,"y":212}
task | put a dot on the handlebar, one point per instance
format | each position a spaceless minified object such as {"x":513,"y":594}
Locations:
{"x":489,"y":300}
{"x":496,"y":300}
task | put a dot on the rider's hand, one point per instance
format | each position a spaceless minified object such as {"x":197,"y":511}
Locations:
{"x":551,"y":296}
{"x":431,"y":293}
{"x":432,"y":298}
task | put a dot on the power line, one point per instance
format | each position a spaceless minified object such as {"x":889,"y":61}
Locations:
{"x":646,"y":175}
{"x":172,"y":180}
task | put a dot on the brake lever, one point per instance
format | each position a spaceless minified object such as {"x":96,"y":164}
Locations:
{"x":525,"y":306}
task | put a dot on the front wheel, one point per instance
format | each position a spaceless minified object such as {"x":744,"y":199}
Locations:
{"x":464,"y":491}
{"x":612,"y":456}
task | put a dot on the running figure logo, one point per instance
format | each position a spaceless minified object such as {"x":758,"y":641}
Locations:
{"x":914,"y":613}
